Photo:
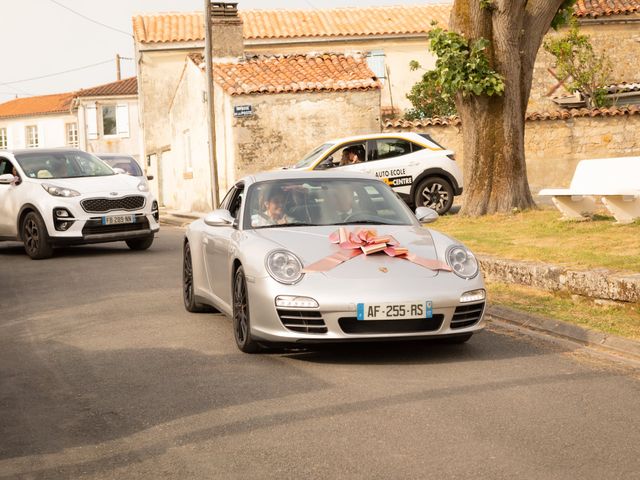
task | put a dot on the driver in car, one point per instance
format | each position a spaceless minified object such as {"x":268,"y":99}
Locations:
{"x":273,"y":213}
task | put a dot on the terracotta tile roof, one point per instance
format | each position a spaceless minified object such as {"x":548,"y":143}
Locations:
{"x":262,"y":24}
{"x":40,"y":105}
{"x":599,"y":8}
{"x":128,"y":86}
{"x":386,"y":20}
{"x":533,"y":116}
{"x":293,"y":73}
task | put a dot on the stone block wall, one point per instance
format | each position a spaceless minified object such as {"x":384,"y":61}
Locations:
{"x":554,"y":147}
{"x":619,"y":41}
{"x":285,"y":127}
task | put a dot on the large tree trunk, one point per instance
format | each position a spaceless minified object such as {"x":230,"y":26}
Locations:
{"x":495,"y":173}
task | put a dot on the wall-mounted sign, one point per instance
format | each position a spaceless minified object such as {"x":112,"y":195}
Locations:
{"x":242,"y":110}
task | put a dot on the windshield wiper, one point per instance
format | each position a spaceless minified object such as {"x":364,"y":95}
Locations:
{"x":365,"y":222}
{"x":290,"y":224}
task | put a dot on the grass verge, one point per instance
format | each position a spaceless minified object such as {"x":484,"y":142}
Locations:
{"x":614,"y":318}
{"x":540,"y":235}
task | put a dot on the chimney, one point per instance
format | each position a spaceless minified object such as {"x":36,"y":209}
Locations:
{"x":226,"y":30}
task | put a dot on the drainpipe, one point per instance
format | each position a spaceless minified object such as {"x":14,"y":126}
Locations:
{"x":210,"y":103}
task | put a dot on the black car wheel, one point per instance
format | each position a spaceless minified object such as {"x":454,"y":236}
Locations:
{"x":35,"y":237}
{"x":140,"y":243}
{"x":435,"y":193}
{"x":188,"y":294}
{"x":241,"y":320}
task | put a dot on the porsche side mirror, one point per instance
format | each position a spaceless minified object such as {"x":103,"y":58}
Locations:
{"x":149,"y":177}
{"x":426,"y":215}
{"x":6,"y":179}
{"x":219,"y":218}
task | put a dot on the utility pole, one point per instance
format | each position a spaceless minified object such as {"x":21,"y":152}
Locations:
{"x":211,"y":117}
{"x":118,"y":77}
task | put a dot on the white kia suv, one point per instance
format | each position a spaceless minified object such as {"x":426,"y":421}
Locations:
{"x":58,"y":197}
{"x":421,"y":171}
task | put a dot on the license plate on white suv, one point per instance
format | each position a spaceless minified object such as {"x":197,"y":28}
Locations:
{"x":118,"y":219}
{"x":394,"y":311}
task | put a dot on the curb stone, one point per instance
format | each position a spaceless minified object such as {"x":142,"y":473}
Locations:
{"x":559,"y":328}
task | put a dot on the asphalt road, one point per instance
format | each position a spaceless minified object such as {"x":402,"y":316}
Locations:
{"x":103,"y":374}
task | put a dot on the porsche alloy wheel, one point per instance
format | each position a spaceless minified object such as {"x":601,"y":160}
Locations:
{"x":35,"y":238}
{"x":241,"y":320}
{"x":435,"y":193}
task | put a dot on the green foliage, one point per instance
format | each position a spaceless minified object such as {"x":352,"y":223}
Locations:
{"x":429,"y":99}
{"x":462,"y":67}
{"x":576,"y":60}
{"x":564,"y":14}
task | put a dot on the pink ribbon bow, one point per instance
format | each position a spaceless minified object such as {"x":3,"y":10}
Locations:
{"x":367,"y":241}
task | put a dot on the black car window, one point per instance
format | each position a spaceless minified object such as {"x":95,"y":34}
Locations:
{"x":390,"y":147}
{"x":236,"y":201}
{"x":5,"y":166}
{"x":415,"y":147}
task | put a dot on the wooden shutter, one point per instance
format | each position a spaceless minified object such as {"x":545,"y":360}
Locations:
{"x":122,"y":119}
{"x":91,"y":113}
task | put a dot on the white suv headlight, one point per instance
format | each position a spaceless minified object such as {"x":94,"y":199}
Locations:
{"x":462,"y":261}
{"x":143,"y":186}
{"x":59,"y":191}
{"x":284,"y":267}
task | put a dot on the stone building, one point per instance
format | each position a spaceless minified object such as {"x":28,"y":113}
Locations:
{"x":42,"y":121}
{"x":102,"y":119}
{"x":262,"y":104}
{"x":388,"y":37}
{"x":109,"y":120}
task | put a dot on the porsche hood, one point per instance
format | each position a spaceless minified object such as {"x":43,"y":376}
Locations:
{"x":312,"y":244}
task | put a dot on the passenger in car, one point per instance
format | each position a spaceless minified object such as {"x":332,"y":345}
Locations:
{"x":273,"y":214}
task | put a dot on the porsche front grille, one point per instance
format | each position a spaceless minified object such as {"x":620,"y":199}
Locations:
{"x":103,"y":205}
{"x":467,"y":315}
{"x":305,"y":321}
{"x":414,"y":325}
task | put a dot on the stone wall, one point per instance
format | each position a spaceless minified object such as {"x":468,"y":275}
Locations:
{"x":284,"y":127}
{"x":554,"y":147}
{"x":619,"y":41}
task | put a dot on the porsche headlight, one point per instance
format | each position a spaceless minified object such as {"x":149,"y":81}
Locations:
{"x":462,"y":261}
{"x":59,"y":191}
{"x":284,"y":267}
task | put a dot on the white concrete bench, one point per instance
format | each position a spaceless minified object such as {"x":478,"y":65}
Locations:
{"x":616,"y":181}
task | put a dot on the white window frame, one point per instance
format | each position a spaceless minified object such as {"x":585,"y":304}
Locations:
{"x":71,"y":134}
{"x":31,"y":136}
{"x":4,"y":138}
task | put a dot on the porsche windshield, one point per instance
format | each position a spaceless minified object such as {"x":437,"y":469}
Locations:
{"x":62,"y":164}
{"x":325,"y":201}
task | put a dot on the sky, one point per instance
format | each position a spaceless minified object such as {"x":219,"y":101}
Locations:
{"x":42,"y":37}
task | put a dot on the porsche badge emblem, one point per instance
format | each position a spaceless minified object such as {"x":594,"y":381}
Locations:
{"x":383,"y":269}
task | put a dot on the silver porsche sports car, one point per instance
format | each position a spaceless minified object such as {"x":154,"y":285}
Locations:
{"x":311,"y":257}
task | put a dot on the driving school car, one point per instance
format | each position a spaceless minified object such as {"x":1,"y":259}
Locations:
{"x":419,"y":169}
{"x":343,"y":260}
